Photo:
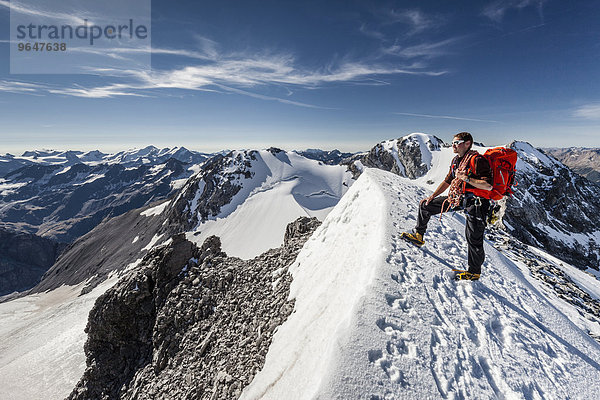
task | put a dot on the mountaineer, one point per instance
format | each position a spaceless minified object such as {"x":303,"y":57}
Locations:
{"x":470,"y":181}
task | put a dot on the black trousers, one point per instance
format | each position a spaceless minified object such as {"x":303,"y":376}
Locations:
{"x":476,"y":209}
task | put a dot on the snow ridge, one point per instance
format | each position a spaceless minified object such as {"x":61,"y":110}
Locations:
{"x":326,"y":299}
{"x":407,"y":330}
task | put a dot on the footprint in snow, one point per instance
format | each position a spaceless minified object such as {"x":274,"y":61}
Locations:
{"x":393,"y":373}
{"x":397,"y":302}
{"x":388,"y":327}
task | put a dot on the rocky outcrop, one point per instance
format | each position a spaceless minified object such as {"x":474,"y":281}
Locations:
{"x":24,"y":258}
{"x":380,"y":157}
{"x":329,"y":157}
{"x":411,"y":155}
{"x":189,"y":323}
{"x":212,"y":188}
{"x":554,"y":208}
{"x":408,"y":156}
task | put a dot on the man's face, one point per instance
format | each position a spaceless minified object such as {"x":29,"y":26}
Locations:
{"x":459,"y":146}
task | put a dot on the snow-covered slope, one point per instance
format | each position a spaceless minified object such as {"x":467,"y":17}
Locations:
{"x":249,"y":197}
{"x":377,"y":318}
{"x":41,"y":351}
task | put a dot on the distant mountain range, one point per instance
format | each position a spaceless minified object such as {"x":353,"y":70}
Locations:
{"x":60,"y":196}
{"x":584,"y":161}
{"x":331,"y":157}
{"x":148,"y":155}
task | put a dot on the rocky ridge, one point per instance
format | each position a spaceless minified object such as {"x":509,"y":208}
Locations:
{"x":331,"y":157}
{"x":189,"y":322}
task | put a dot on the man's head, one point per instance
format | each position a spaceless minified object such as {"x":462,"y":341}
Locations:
{"x":462,"y":142}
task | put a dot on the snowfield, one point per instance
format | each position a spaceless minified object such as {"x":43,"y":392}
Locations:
{"x":377,"y":318}
{"x":41,"y":351}
{"x":284,"y":187}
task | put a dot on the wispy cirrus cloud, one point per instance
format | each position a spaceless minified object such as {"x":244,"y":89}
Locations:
{"x":366,"y":30}
{"x":244,"y":75}
{"x":411,"y":21}
{"x":124,"y":53}
{"x":21,"y":87}
{"x":498,"y":9}
{"x":414,"y":20}
{"x":424,"y":50}
{"x":98,"y":92}
{"x":444,"y":117}
{"x":417,"y":20}
{"x":588,"y":111}
{"x":410,"y":34}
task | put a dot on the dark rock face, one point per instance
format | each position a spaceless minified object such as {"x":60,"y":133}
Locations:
{"x":550,"y":205}
{"x":24,"y":258}
{"x":402,"y":157}
{"x":121,"y":323}
{"x":206,"y":193}
{"x":409,"y":153}
{"x":190,"y":323}
{"x":379,"y":157}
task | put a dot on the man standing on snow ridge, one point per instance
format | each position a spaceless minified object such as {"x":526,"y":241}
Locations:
{"x":470,"y":174}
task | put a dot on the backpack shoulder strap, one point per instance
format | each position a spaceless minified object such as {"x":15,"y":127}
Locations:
{"x":469,"y":160}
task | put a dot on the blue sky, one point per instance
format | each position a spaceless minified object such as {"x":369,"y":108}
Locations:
{"x":329,"y":74}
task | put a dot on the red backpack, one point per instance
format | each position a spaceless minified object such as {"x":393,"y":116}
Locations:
{"x":502,"y":163}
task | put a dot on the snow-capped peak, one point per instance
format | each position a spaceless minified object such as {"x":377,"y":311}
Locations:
{"x":533,"y":159}
{"x":411,"y":156}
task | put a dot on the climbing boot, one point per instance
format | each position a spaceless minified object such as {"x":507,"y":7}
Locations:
{"x":415,"y":238}
{"x":466,"y":276}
